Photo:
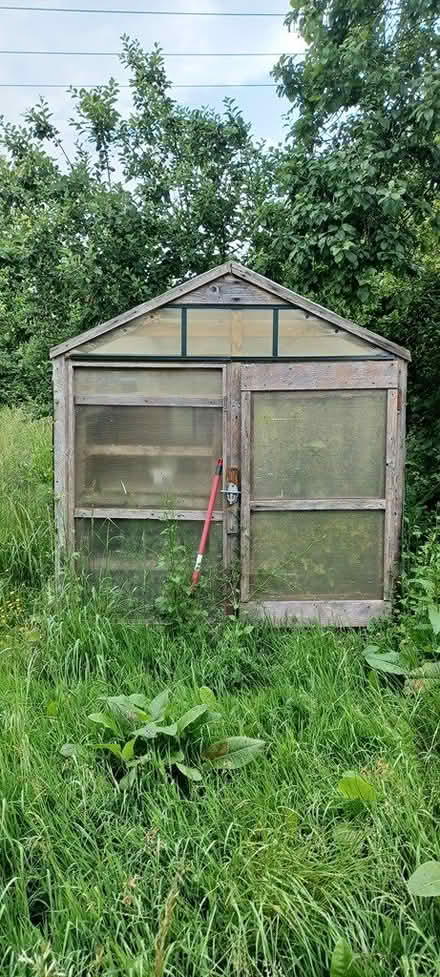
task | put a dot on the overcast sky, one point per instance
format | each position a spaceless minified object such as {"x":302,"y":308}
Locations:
{"x":49,"y":31}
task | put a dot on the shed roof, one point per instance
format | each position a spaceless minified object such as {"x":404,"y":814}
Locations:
{"x":246,"y":274}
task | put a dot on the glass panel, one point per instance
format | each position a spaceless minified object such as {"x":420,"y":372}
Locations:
{"x":156,"y":334}
{"x":127,"y":550}
{"x":146,"y":456}
{"x":153,"y":383}
{"x":301,"y":334}
{"x":318,"y":444}
{"x":229,"y":332}
{"x":308,"y":555}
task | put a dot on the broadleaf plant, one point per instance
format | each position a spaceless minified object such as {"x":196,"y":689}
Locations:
{"x":132,"y":723}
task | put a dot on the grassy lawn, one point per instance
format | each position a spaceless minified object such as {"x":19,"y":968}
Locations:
{"x":255,"y":872}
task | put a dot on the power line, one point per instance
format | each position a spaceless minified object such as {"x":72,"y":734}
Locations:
{"x":154,"y":13}
{"x":172,"y":54}
{"x":6,"y":84}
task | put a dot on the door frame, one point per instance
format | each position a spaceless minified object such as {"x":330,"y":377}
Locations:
{"x":67,"y":511}
{"x":387,"y":375}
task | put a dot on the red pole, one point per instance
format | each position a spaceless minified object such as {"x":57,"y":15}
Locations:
{"x":207,"y":523}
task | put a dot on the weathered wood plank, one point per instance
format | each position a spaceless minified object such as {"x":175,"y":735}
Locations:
{"x":60,"y":436}
{"x":70,"y":459}
{"x":319,"y":310}
{"x":229,"y":290}
{"x":245,"y":514}
{"x":138,"y":400}
{"x":232,"y":512}
{"x":299,"y":505}
{"x":166,"y":297}
{"x":396,"y":523}
{"x":225,"y":454}
{"x":115,"y":512}
{"x":390,"y":493}
{"x":150,"y":450}
{"x":336,"y":613}
{"x":317,"y":375}
{"x":121,"y":364}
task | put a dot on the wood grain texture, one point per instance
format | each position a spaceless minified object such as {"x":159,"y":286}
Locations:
{"x":60,"y":476}
{"x":320,"y":375}
{"x":300,"y":505}
{"x":121,"y":364}
{"x":335,"y":613}
{"x":230,"y":290}
{"x":293,"y":298}
{"x":391,"y":492}
{"x":138,"y":400}
{"x":70,"y":459}
{"x":396,"y":524}
{"x":245,"y":515}
{"x":232,"y":512}
{"x":115,"y":512}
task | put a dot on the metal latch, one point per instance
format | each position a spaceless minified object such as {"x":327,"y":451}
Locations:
{"x":232,"y":490}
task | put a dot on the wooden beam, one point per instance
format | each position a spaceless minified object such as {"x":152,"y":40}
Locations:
{"x":245,"y":514}
{"x":60,"y":474}
{"x":312,"y":505}
{"x":334,"y":613}
{"x":138,"y":400}
{"x":390,"y":492}
{"x":149,"y":450}
{"x":315,"y":375}
{"x":115,"y":512}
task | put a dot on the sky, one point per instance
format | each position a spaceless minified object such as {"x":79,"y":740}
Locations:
{"x":74,"y":32}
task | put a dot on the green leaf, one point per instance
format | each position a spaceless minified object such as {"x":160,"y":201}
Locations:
{"x":130,"y":778}
{"x":123,"y":705}
{"x":128,"y":750}
{"x":355,"y":788}
{"x":234,"y":752}
{"x":52,"y":708}
{"x":434,"y":617}
{"x":191,"y":719}
{"x":111,"y":747}
{"x":148,"y":732}
{"x":342,"y":959}
{"x":425,"y":881}
{"x":158,"y":705}
{"x":104,"y":719}
{"x":191,"y":772}
{"x":73,"y":749}
{"x":426,"y":670}
{"x":207,"y":697}
{"x":177,"y":757}
{"x":389,"y":661}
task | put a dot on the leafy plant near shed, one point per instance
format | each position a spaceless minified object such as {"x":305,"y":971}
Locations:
{"x":143,"y":734}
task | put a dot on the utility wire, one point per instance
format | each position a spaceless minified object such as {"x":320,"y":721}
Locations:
{"x":173,"y":54}
{"x":154,"y":13}
{"x":6,"y":84}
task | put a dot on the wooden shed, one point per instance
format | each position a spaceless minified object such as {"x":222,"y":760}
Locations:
{"x":308,"y":406}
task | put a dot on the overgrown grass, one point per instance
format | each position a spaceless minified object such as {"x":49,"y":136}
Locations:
{"x":257,"y":872}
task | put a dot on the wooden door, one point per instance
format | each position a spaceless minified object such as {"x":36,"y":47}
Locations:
{"x":321,"y":475}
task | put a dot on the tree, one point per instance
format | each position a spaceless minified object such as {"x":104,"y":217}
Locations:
{"x":146,"y":201}
{"x":361,"y":169}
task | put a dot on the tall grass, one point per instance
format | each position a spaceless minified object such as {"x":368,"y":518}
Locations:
{"x":257,"y":872}
{"x":26,"y":528}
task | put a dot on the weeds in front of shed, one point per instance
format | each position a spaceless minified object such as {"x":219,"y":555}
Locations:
{"x":269,"y":871}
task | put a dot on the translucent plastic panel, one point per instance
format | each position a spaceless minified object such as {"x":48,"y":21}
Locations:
{"x":229,"y":332}
{"x":155,"y":334}
{"x":301,"y":334}
{"x":307,"y":555}
{"x":153,"y":383}
{"x":128,"y":550}
{"x":146,"y":456}
{"x":318,"y":444}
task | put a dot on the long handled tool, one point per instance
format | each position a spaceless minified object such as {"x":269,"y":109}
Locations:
{"x":207,"y":523}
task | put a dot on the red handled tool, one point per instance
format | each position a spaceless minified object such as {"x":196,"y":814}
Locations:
{"x":207,"y":523}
